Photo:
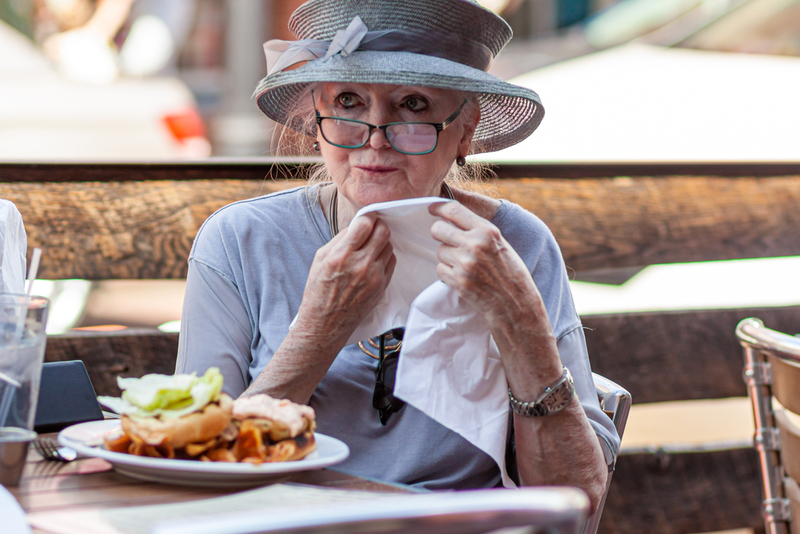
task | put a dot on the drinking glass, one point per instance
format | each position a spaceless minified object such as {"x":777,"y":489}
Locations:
{"x":23,"y":320}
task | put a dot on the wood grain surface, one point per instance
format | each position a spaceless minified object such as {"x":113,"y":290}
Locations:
{"x":107,"y":355}
{"x":122,"y":230}
{"x":144,"y":230}
{"x":90,"y":483}
{"x":615,"y":222}
{"x":658,"y":357}
{"x":663,"y":492}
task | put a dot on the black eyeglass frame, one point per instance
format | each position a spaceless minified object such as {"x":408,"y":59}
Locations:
{"x":440,"y":126}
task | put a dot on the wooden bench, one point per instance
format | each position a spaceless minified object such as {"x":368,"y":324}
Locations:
{"x":137,"y":221}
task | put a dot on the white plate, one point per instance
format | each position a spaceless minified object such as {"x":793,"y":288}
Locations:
{"x":84,"y":436}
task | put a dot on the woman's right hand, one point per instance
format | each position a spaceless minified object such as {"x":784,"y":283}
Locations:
{"x":347,"y":279}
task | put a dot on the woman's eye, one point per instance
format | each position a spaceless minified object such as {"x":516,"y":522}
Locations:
{"x":347,"y":100}
{"x":414,"y":103}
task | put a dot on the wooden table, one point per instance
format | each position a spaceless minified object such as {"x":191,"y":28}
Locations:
{"x":90,"y":483}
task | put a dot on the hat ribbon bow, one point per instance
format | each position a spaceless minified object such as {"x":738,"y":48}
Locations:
{"x":450,"y":46}
{"x":282,"y":54}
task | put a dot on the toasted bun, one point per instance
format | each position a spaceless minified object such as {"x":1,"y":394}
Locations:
{"x":197,"y":427}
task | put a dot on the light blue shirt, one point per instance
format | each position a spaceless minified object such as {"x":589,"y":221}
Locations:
{"x":247,"y":272}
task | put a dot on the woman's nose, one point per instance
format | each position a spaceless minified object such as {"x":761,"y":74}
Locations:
{"x":378,"y":139}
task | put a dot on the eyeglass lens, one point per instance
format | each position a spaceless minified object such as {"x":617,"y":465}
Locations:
{"x":412,"y":138}
{"x":383,"y":398}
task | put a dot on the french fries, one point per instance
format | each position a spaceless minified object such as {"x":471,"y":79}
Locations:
{"x":253,"y":441}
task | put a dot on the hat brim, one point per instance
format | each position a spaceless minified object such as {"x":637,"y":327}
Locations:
{"x":509,"y":113}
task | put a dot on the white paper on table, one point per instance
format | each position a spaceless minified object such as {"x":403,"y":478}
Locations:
{"x":12,"y":514}
{"x":224,"y":514}
{"x":450,"y":367}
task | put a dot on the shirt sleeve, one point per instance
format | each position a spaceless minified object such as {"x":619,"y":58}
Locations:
{"x":573,"y":352}
{"x":215,"y":328}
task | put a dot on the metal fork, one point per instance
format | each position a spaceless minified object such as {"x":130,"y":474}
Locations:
{"x":51,"y":450}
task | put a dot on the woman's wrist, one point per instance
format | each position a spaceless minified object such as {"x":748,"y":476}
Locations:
{"x":529,"y":350}
{"x":314,"y":327}
{"x":298,"y":366}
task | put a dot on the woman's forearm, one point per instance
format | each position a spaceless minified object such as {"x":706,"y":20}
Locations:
{"x":296,"y":368}
{"x":556,"y":449}
{"x":561,"y":449}
{"x":346,"y":280}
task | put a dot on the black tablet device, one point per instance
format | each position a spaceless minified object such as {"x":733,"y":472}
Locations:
{"x":66,"y":397}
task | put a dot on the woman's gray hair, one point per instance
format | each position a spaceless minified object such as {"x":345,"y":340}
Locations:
{"x":289,"y":142}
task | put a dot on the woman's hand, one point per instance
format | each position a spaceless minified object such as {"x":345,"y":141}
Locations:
{"x":481,"y":266}
{"x":347,"y":279}
{"x":477,"y":262}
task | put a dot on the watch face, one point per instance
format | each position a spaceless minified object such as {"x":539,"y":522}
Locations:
{"x":558,"y":398}
{"x":553,"y":400}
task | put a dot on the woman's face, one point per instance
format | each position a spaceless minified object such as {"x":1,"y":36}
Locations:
{"x":377,"y":172}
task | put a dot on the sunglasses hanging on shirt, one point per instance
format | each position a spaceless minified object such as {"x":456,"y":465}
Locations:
{"x":383,"y":398}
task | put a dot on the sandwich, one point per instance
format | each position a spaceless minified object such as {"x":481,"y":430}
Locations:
{"x":162,"y":415}
{"x":272,"y":430}
{"x":188,"y":417}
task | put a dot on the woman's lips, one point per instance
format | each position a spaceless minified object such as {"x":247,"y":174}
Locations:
{"x":378,"y":169}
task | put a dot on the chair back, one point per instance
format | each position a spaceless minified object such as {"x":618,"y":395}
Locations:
{"x":615,"y":401}
{"x":772,"y":373}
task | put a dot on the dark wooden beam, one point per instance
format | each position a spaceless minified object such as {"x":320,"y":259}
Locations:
{"x":652,"y":169}
{"x":603,"y":223}
{"x":658,"y":357}
{"x":259,"y":168}
{"x":144,"y":229}
{"x":128,"y":353}
{"x":677,"y":492}
{"x":672,"y":356}
{"x":210,"y":169}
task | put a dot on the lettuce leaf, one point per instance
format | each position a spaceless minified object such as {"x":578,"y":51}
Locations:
{"x":165,"y":396}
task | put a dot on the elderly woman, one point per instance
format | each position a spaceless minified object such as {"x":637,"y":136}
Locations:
{"x":395,"y":96}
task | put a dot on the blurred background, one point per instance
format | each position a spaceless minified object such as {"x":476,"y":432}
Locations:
{"x":621,"y":80}
{"x":624,"y":80}
{"x":152,"y":79}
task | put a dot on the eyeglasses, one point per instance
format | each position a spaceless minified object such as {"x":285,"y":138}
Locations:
{"x":412,"y":138}
{"x":383,"y":398}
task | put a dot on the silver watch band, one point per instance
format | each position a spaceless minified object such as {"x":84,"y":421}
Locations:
{"x":554,"y":399}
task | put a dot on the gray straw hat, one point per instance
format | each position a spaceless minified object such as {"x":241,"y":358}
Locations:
{"x":447,"y":44}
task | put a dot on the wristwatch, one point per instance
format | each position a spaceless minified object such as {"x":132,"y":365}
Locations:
{"x":554,"y":399}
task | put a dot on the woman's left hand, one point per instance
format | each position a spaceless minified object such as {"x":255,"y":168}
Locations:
{"x":478,"y":263}
{"x":482,"y":267}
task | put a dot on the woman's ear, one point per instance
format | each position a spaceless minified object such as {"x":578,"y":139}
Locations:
{"x":470,"y":124}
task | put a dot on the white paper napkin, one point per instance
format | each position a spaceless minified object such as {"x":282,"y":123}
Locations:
{"x":450,"y":368}
{"x":415,"y":250}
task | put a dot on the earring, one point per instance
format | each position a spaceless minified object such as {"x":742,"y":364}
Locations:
{"x":316,"y":146}
{"x":461,"y":161}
